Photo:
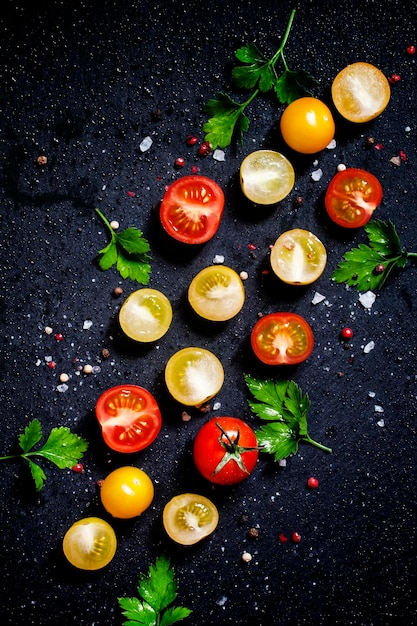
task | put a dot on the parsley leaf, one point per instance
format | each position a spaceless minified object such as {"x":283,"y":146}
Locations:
{"x":127,"y":250}
{"x":368,"y":266}
{"x":157,"y":592}
{"x":284,"y":407}
{"x":63,"y":448}
{"x":227,"y":120}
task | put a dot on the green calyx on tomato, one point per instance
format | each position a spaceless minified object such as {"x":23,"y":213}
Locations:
{"x":192,"y":208}
{"x":129,"y":417}
{"x":225,"y":450}
{"x":352,"y":196}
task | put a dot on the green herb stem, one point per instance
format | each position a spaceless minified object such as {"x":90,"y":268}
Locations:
{"x":308,"y":439}
{"x":280,"y":51}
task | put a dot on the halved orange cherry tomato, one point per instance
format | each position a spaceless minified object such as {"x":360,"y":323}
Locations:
{"x":282,"y":339}
{"x":129,"y":417}
{"x":192,"y":208}
{"x":360,"y":92}
{"x":352,"y":196}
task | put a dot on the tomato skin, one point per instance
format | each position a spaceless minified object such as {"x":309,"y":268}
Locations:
{"x":282,"y":339}
{"x":352,"y":196}
{"x":126,"y":492}
{"x":192,"y":208}
{"x":129,"y":417}
{"x":208,"y":452}
{"x":307,"y":125}
{"x":90,"y":543}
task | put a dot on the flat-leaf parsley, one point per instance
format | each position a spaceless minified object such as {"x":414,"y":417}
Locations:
{"x":367,"y":267}
{"x":227,"y":119}
{"x":157,"y":592}
{"x":63,"y":448}
{"x":127,"y":250}
{"x":285,"y":407}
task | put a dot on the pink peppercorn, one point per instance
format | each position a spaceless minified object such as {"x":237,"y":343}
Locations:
{"x":179,"y":162}
{"x":346,"y":333}
{"x":411,"y":50}
{"x":296,"y":537}
{"x":59,"y":337}
{"x":312,"y":483}
{"x":78,"y":468}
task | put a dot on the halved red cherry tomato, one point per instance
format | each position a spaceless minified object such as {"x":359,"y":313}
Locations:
{"x":225,"y":450}
{"x":192,"y":208}
{"x":352,"y":196}
{"x":282,"y":339}
{"x":129,"y":417}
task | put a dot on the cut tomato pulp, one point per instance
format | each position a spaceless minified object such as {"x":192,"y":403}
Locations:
{"x":129,"y":417}
{"x":192,"y":208}
{"x":282,"y":339}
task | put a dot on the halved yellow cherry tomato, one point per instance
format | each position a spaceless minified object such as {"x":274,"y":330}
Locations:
{"x":266,"y":177}
{"x":193,"y":376}
{"x":188,"y":518}
{"x":298,"y":257}
{"x":145,"y":315}
{"x":126,"y":492}
{"x":360,"y":92}
{"x":216,"y":293}
{"x":90,"y":543}
{"x":307,"y":125}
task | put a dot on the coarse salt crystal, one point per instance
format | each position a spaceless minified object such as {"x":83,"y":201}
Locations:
{"x":317,"y":298}
{"x":218,"y":259}
{"x":87,"y":324}
{"x":218,"y":155}
{"x":367,"y":299}
{"x":216,"y":406}
{"x":369,"y":346}
{"x":378,"y":408}
{"x":317,"y":174}
{"x":372,"y":394}
{"x":145,"y":144}
{"x":396,"y":160}
{"x":331,"y":145}
{"x":62,"y":388}
{"x":381,"y":423}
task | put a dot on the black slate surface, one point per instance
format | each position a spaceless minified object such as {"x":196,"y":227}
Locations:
{"x":81,"y":83}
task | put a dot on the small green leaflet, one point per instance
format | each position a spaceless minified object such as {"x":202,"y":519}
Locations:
{"x":360,"y":265}
{"x":63,"y":448}
{"x":127,"y":250}
{"x":157,"y":591}
{"x":227,"y":120}
{"x":284,"y":407}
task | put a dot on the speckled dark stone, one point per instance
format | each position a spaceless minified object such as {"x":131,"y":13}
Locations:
{"x":81,"y":84}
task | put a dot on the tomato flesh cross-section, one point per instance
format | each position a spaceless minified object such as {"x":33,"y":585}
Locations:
{"x":90,"y":543}
{"x":216,"y":293}
{"x":189,"y":517}
{"x":360,"y":92}
{"x":145,"y":315}
{"x":266,"y":177}
{"x":191,"y":209}
{"x":298,"y":257}
{"x":193,"y":376}
{"x":282,"y":339}
{"x":129,"y":417}
{"x":352,"y":196}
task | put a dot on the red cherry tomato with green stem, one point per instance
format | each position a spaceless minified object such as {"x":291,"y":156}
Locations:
{"x":225,"y":450}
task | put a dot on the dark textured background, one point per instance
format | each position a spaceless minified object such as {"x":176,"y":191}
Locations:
{"x":80,"y":83}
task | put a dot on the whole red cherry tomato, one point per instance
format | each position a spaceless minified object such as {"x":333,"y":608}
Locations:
{"x":225,"y":450}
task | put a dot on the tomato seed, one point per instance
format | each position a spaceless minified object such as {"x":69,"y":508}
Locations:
{"x":296,"y":537}
{"x":346,"y":333}
{"x":312,"y":483}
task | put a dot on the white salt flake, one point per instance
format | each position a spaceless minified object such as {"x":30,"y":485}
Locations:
{"x":145,"y":144}
{"x":317,"y":174}
{"x":378,"y":408}
{"x":62,"y":388}
{"x":87,"y":324}
{"x":381,"y":423}
{"x":216,"y":406}
{"x":218,"y":259}
{"x":282,"y":462}
{"x":331,"y":145}
{"x":367,"y":299}
{"x":369,"y":346}
{"x":371,"y":394}
{"x":218,"y":155}
{"x":221,"y":601}
{"x":317,"y":298}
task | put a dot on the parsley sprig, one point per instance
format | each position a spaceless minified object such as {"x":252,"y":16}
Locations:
{"x":63,"y":448}
{"x":128,"y":250}
{"x":285,"y":407}
{"x":157,"y":592}
{"x":227,"y":118}
{"x":368,"y":266}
